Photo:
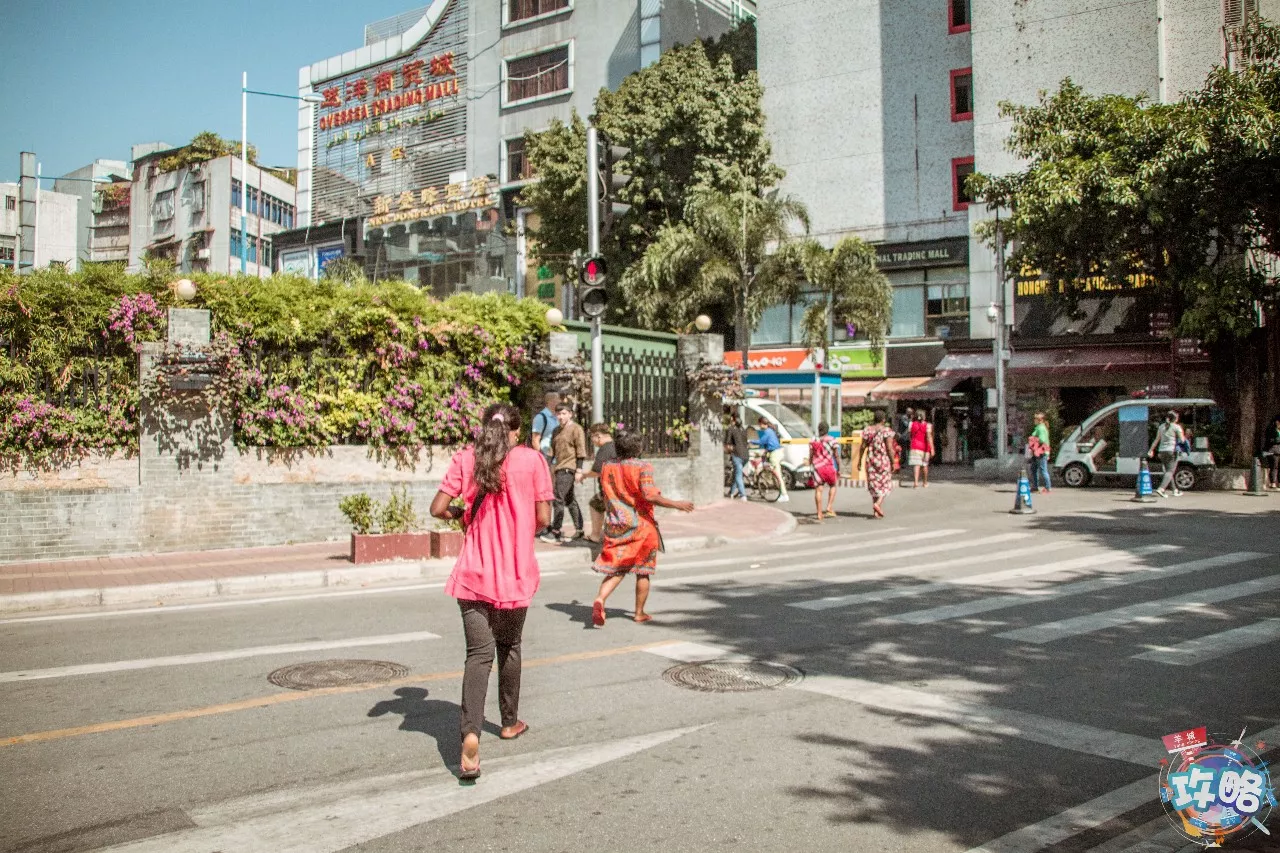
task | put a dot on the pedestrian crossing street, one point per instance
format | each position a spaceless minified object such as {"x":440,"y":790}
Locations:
{"x":1011,"y":575}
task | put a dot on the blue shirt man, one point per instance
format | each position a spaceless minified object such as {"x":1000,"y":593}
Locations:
{"x":544,"y":424}
{"x":768,"y":439}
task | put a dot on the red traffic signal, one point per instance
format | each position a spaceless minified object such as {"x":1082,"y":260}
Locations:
{"x":593,"y":272}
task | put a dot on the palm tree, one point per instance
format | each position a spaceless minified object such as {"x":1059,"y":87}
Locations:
{"x":720,"y":250}
{"x":850,"y":288}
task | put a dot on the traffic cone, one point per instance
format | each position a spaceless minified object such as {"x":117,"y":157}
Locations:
{"x":1022,"y":503}
{"x":1255,"y":480}
{"x":1142,"y":492}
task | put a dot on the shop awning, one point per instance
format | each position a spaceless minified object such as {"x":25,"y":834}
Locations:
{"x":163,"y":241}
{"x":915,"y":388}
{"x":1088,"y":359}
{"x":857,"y":390}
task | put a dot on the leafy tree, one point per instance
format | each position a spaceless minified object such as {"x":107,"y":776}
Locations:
{"x":691,"y":124}
{"x":739,"y":44}
{"x":852,"y":289}
{"x":716,"y":256}
{"x":1184,"y":194}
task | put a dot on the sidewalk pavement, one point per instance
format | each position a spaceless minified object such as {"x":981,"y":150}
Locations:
{"x":154,"y":579}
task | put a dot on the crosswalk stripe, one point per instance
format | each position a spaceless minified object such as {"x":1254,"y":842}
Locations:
{"x":1038,"y":596}
{"x":1216,"y":645}
{"x":1073,"y":821}
{"x":211,"y":657}
{"x":1090,"y":561}
{"x":985,"y":718}
{"x":339,"y":815}
{"x":969,"y":560}
{"x":844,"y":547}
{"x":853,"y":560}
{"x":833,"y":602}
{"x":1145,"y":611}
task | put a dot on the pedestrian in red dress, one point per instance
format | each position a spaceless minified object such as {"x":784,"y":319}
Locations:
{"x":506,"y":493}
{"x":631,"y":537}
{"x":823,"y":453}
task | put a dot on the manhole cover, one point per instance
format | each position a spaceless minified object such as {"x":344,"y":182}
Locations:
{"x":335,"y":673}
{"x":732,"y":676}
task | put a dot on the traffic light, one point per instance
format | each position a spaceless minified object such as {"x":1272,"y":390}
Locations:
{"x":592,"y":299}
{"x":612,"y":180}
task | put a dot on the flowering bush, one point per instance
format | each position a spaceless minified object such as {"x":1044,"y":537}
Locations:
{"x":294,"y":363}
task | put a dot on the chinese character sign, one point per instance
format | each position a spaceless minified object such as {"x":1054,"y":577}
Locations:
{"x":1214,"y":791}
{"x":408,"y":206}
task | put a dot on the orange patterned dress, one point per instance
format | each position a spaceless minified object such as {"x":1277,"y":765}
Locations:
{"x":631,"y":538}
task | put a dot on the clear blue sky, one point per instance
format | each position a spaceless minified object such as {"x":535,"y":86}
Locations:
{"x":85,"y":79}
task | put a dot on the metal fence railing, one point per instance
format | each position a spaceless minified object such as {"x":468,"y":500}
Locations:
{"x":648,"y":393}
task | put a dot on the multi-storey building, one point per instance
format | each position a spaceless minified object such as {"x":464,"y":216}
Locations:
{"x":415,"y":156}
{"x":54,"y":234}
{"x":102,"y":215}
{"x":879,"y":111}
{"x":192,"y":214}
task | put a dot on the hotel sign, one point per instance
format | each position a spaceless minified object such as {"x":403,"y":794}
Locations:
{"x":952,"y":251}
{"x":412,"y":205}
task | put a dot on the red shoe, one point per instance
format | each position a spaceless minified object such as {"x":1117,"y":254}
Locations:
{"x":597,"y":614}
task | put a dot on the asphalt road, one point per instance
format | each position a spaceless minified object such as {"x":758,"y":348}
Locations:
{"x":970,"y":680}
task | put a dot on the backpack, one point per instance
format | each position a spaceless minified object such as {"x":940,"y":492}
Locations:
{"x":544,"y":434}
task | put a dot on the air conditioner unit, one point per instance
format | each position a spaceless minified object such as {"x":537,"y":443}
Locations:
{"x":202,"y":254}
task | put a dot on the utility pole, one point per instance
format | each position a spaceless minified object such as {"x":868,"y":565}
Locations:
{"x":1002,"y":425}
{"x":593,"y":251}
{"x":244,"y":171}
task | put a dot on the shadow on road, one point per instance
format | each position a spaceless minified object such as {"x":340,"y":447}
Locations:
{"x":436,"y":718}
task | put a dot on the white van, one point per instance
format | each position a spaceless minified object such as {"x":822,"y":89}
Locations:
{"x":1113,"y":441}
{"x":793,"y":431}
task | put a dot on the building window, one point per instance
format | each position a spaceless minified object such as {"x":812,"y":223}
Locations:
{"x":535,"y":76}
{"x":162,"y":206}
{"x":253,"y":247}
{"x":908,"y":312}
{"x":235,"y":193}
{"x":266,"y":253}
{"x":958,"y":16}
{"x":10,"y":203}
{"x":518,"y":166}
{"x":236,"y":242}
{"x":6,"y":253}
{"x":961,"y":168}
{"x":962,"y":94}
{"x":947,"y":310}
{"x":520,"y":10}
{"x":253,"y":201}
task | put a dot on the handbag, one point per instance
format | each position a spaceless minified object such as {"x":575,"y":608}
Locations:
{"x":896,"y":454}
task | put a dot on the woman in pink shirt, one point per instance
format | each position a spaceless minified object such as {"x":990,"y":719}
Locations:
{"x":506,"y":491}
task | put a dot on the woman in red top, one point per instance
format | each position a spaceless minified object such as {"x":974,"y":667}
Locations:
{"x":631,"y":538}
{"x":506,"y":492}
{"x":823,"y":452}
{"x":921,"y":448}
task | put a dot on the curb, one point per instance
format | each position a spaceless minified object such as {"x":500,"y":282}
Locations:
{"x":346,"y":576}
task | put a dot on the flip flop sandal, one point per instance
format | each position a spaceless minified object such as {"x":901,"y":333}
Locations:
{"x":465,"y":775}
{"x":521,"y":728}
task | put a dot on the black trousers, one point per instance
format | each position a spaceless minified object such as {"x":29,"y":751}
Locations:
{"x":564,"y":483}
{"x":489,"y":630}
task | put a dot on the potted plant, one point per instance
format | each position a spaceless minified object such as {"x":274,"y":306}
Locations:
{"x":446,"y":539}
{"x":397,"y":536}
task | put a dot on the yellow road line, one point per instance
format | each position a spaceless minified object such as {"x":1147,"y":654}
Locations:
{"x":297,"y":696}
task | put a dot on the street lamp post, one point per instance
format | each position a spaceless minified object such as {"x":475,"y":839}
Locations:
{"x":245,"y":92}
{"x":996,"y":315}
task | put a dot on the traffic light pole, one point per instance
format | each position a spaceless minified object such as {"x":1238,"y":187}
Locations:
{"x":593,"y":250}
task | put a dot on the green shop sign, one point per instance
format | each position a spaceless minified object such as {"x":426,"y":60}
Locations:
{"x":857,"y":362}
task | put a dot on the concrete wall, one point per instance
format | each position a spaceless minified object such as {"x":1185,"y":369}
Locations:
{"x":55,"y":225}
{"x":858,"y":107}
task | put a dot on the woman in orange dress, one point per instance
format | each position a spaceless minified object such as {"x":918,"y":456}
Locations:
{"x":631,"y":538}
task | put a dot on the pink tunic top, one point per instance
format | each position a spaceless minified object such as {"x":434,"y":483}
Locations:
{"x":497,"y":564}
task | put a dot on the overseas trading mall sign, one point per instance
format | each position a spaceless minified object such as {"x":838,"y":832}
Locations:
{"x":394,"y":127}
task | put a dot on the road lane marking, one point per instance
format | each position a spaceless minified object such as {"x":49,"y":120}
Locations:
{"x":246,"y":602}
{"x":975,"y":716}
{"x":330,"y":818}
{"x":213,"y":657}
{"x":1109,"y":806}
{"x":832,"y":602}
{"x":299,"y":696}
{"x":845,"y":547}
{"x":1214,"y":646}
{"x":1037,"y":596}
{"x":1105,"y":558}
{"x":860,"y":558}
{"x":1073,"y":821}
{"x":1146,"y":611}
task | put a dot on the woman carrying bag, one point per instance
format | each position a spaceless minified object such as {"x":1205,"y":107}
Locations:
{"x":506,"y":491}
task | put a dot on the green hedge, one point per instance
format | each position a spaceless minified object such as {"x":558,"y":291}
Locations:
{"x":312,"y":363}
